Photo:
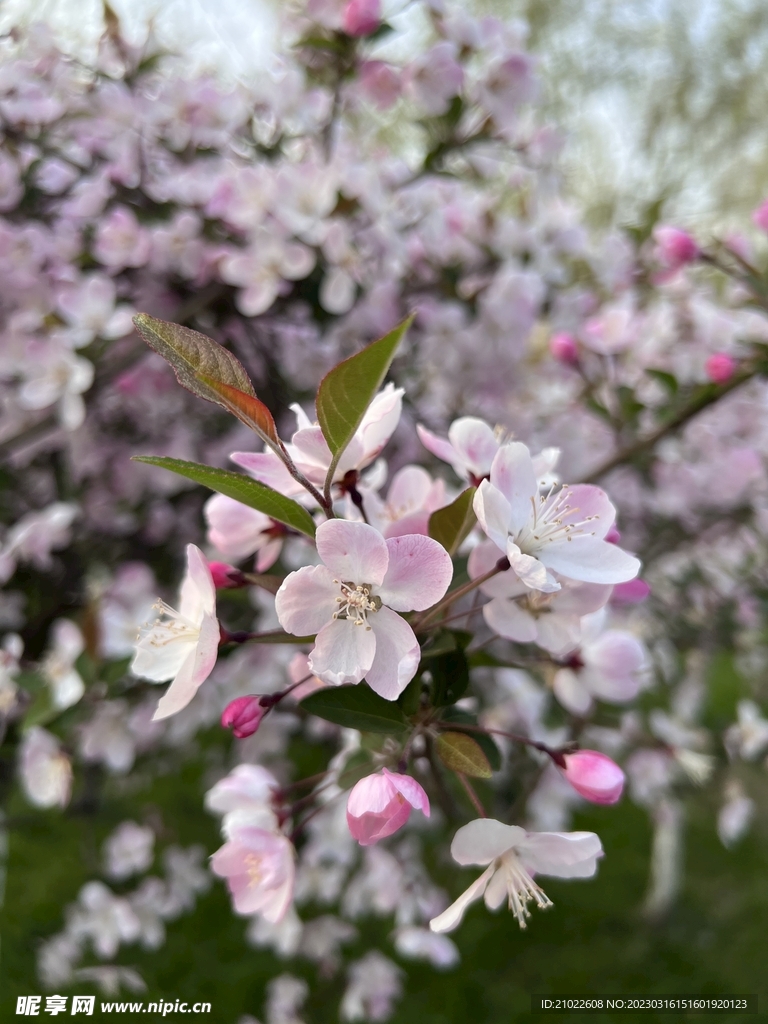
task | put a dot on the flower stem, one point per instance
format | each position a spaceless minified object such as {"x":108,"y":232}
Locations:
{"x":556,"y":755}
{"x":474,"y":798}
{"x":427,"y":618}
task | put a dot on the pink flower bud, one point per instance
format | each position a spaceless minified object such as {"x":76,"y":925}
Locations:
{"x":362,"y":17}
{"x":563,"y":348}
{"x":243,"y":716}
{"x":380,"y":804}
{"x":719,"y":367}
{"x":760,"y":216}
{"x":594,"y":776}
{"x":674,"y":248}
{"x":225,"y":576}
{"x":631,"y":592}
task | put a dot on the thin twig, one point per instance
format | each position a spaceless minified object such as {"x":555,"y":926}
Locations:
{"x":474,"y":798}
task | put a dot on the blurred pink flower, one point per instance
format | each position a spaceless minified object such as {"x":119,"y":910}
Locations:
{"x":259,"y":867}
{"x":720,"y":367}
{"x":362,"y":17}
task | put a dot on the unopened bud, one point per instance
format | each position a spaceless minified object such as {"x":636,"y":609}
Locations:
{"x":720,"y":367}
{"x":243,"y":716}
{"x":594,"y":776}
{"x":674,"y":248}
{"x":362,"y":17}
{"x":226,"y":577}
{"x":563,"y":348}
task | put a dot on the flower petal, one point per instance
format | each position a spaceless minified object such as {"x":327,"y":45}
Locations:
{"x":397,"y":654}
{"x":590,"y":560}
{"x":561,"y":854}
{"x":483,"y":840}
{"x":234,"y":529}
{"x":510,"y":620}
{"x":306,"y":600}
{"x":343,"y":652}
{"x":198,"y":591}
{"x":438,"y":446}
{"x":410,"y":789}
{"x":193,"y":673}
{"x":353,"y":552}
{"x":418,"y":574}
{"x":513,"y":474}
{"x":530,"y":571}
{"x":475,"y":442}
{"x":571,"y":692}
{"x":268,"y":469}
{"x":493,"y":513}
{"x":451,"y":918}
{"x":586,"y":500}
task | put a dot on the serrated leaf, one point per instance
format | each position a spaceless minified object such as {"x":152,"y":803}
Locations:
{"x":486,"y":742}
{"x":355,"y":707}
{"x":347,"y":390}
{"x":242,"y":488}
{"x":450,"y":677}
{"x":450,"y":525}
{"x":208,"y":370}
{"x":461,"y":753}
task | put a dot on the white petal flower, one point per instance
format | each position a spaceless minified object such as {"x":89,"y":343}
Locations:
{"x":513,"y":857}
{"x":182,"y":645}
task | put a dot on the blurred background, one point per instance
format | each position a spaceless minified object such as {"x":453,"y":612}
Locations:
{"x":663,"y":105}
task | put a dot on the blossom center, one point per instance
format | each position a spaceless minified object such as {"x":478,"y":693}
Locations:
{"x":253,"y":869}
{"x":552,"y":518}
{"x":356,"y":602}
{"x":170,"y":627}
{"x":521,"y":888}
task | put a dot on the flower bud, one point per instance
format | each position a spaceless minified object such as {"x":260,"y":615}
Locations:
{"x":563,"y":348}
{"x":225,"y":577}
{"x":719,"y":367}
{"x":594,"y":776}
{"x":362,"y":17}
{"x":613,"y":536}
{"x":381,"y":804}
{"x":243,"y":716}
{"x":674,"y":248}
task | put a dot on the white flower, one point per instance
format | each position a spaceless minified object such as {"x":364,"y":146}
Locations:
{"x":513,"y":857}
{"x":35,"y":535}
{"x":58,"y":667}
{"x":10,"y":652}
{"x":182,"y":645}
{"x":129,"y":850}
{"x":44,"y":769}
{"x":748,"y":737}
{"x":56,"y":375}
{"x":561,"y":532}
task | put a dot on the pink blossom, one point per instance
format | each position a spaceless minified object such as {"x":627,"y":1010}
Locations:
{"x":259,"y":867}
{"x":412,"y":497}
{"x":380,"y":83}
{"x":470,"y":447}
{"x":362,"y":17}
{"x":720,"y":367}
{"x":351,"y":603}
{"x":243,"y":716}
{"x":609,"y":665}
{"x":435,"y":78}
{"x":561,"y":532}
{"x":182,"y":645}
{"x":760,"y":216}
{"x":674,"y":248}
{"x":237,"y":531}
{"x":121,"y":241}
{"x":563,"y":347}
{"x":89,"y":309}
{"x":380,"y":804}
{"x":614,"y":330}
{"x":310,"y":452}
{"x":594,"y":776}
{"x":551,"y":620}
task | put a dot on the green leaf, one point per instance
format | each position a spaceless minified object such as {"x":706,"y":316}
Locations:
{"x":450,"y":674}
{"x":356,"y":707}
{"x":209,"y":371}
{"x":668,"y":380}
{"x":461,"y":753}
{"x":486,"y":742}
{"x":450,"y":525}
{"x":347,"y":390}
{"x":242,"y":488}
{"x":410,"y":699}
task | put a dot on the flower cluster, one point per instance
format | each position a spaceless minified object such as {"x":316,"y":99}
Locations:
{"x":501,"y":523}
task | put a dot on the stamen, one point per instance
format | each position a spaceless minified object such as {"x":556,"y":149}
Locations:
{"x":522,"y":889}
